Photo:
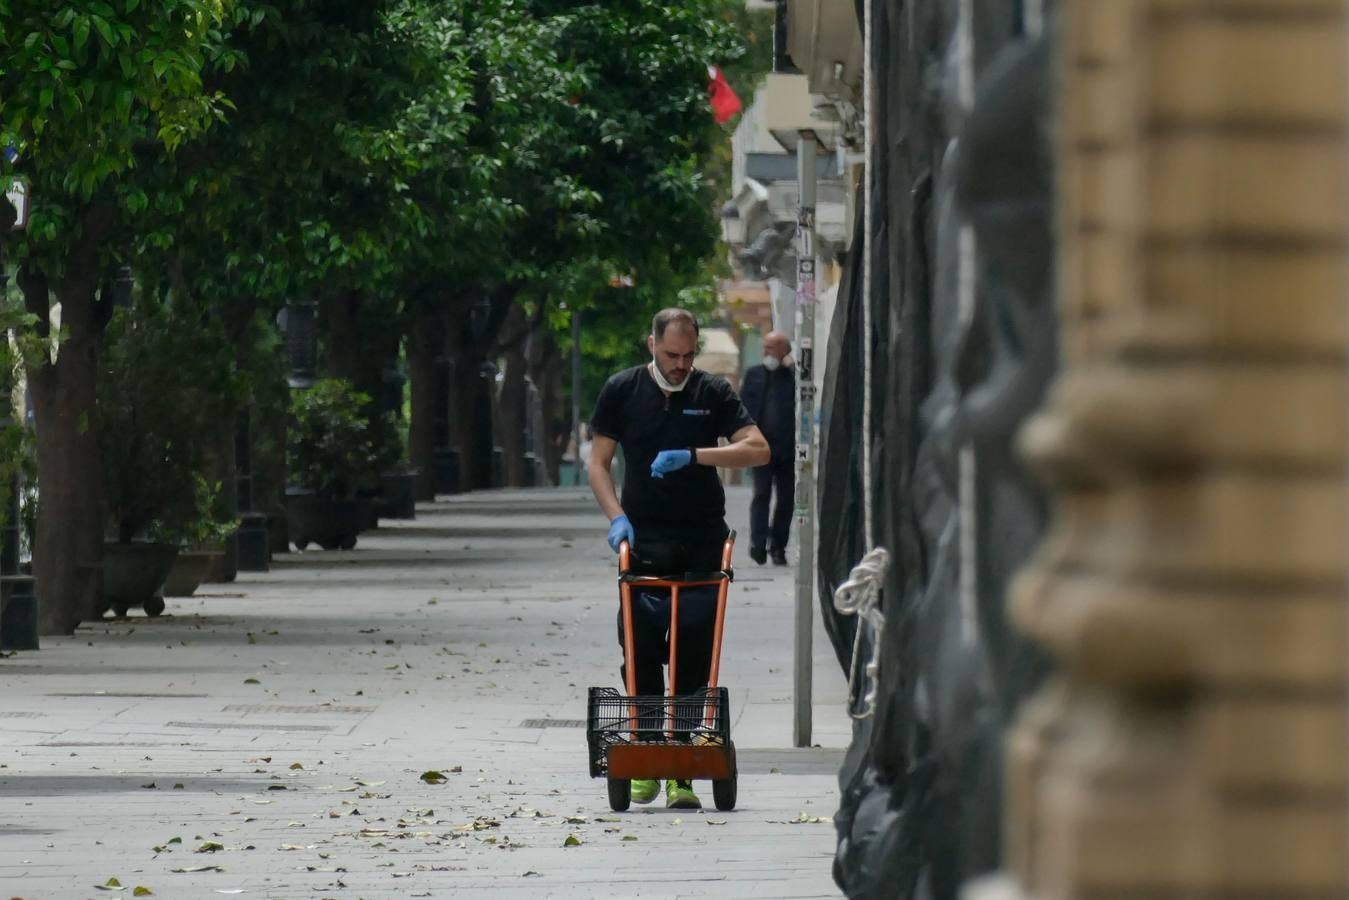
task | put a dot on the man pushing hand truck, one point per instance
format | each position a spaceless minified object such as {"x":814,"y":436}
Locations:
{"x":675,"y":567}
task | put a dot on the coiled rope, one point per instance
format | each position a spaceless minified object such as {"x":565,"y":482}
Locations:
{"x":860,"y":595}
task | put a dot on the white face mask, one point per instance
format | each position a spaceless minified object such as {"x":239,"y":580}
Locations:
{"x":771,"y":363}
{"x":662,"y":383}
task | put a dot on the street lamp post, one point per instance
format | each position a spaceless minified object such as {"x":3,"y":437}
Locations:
{"x":299,"y":329}
{"x":254,"y":550}
{"x":299,"y":322}
{"x":805,"y":436}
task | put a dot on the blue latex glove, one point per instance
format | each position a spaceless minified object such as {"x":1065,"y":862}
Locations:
{"x":620,"y":530}
{"x":667,"y":461}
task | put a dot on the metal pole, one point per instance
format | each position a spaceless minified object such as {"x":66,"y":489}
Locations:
{"x":966,"y":300}
{"x":576,"y":392}
{"x":805,"y":436}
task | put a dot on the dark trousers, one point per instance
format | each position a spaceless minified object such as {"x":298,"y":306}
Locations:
{"x":650,"y":638}
{"x":779,"y":475}
{"x":651,"y":653}
{"x":666,"y":553}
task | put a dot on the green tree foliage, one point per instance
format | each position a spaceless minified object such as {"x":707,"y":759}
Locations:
{"x":455,"y":155}
{"x":333,"y":450}
{"x":586,"y":127}
{"x":145,"y":428}
{"x":87,"y":89}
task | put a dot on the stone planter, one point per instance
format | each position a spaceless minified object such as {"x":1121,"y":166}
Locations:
{"x":134,"y":574}
{"x":399,"y":497}
{"x":225,"y":565}
{"x":18,"y":613}
{"x":189,"y":571}
{"x":332,"y":524}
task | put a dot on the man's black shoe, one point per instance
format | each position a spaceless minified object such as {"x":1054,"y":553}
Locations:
{"x":758,"y":554}
{"x":779,"y":557}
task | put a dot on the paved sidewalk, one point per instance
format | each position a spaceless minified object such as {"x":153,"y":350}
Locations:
{"x":275,"y":730}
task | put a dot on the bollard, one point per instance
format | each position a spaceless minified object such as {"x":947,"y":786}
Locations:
{"x":254,"y":543}
{"x":445,"y":466}
{"x":18,"y":613}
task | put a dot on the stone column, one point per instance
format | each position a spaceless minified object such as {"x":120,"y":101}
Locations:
{"x":1192,"y":588}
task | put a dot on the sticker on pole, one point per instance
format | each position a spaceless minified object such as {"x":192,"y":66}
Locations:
{"x":17,"y":195}
{"x":805,"y":292}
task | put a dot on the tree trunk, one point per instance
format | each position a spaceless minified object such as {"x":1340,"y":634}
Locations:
{"x":269,"y":460}
{"x":350,"y":350}
{"x":425,"y":344}
{"x":471,"y":400}
{"x":68,"y":553}
{"x":545,"y":370}
{"x":513,"y":409}
{"x":475,"y":467}
{"x":221,"y":469}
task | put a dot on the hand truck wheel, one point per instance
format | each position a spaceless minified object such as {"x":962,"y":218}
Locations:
{"x":620,"y":794}
{"x":724,"y":789}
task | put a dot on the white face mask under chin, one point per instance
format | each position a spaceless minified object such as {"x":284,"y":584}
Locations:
{"x":771,"y":363}
{"x":662,"y":383}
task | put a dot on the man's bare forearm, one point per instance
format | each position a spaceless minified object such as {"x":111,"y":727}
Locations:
{"x":602,"y":486}
{"x":751,"y":450}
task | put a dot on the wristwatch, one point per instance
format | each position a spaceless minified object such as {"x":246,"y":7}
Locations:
{"x":693,"y":456}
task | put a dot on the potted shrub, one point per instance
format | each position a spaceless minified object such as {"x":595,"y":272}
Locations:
{"x":398,"y":479}
{"x":384,"y":451}
{"x":198,"y":531}
{"x":330,"y":453}
{"x":151,"y":440}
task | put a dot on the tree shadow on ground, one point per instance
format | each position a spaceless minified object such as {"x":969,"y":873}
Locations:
{"x":68,"y":785}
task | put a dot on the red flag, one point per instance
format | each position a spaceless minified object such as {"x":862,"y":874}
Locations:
{"x":725,"y":103}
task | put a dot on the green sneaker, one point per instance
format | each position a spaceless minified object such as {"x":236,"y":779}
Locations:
{"x":644,"y":790}
{"x":679,"y":795}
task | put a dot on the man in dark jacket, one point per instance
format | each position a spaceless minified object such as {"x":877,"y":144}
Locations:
{"x":769,"y":394}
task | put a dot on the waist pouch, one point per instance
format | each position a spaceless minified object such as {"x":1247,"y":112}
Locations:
{"x":674,"y":559}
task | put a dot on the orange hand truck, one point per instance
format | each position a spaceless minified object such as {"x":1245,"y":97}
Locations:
{"x":683,"y":737}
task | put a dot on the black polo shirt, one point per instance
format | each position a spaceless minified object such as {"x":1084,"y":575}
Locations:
{"x":634,"y":411}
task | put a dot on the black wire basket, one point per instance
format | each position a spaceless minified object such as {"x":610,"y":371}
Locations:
{"x":700,"y":718}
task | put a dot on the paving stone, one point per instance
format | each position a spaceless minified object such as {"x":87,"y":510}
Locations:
{"x":428,"y":647}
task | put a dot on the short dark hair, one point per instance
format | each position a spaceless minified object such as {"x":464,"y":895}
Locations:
{"x":673,"y":315}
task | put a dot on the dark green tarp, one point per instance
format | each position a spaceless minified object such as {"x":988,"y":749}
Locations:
{"x":921,"y":783}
